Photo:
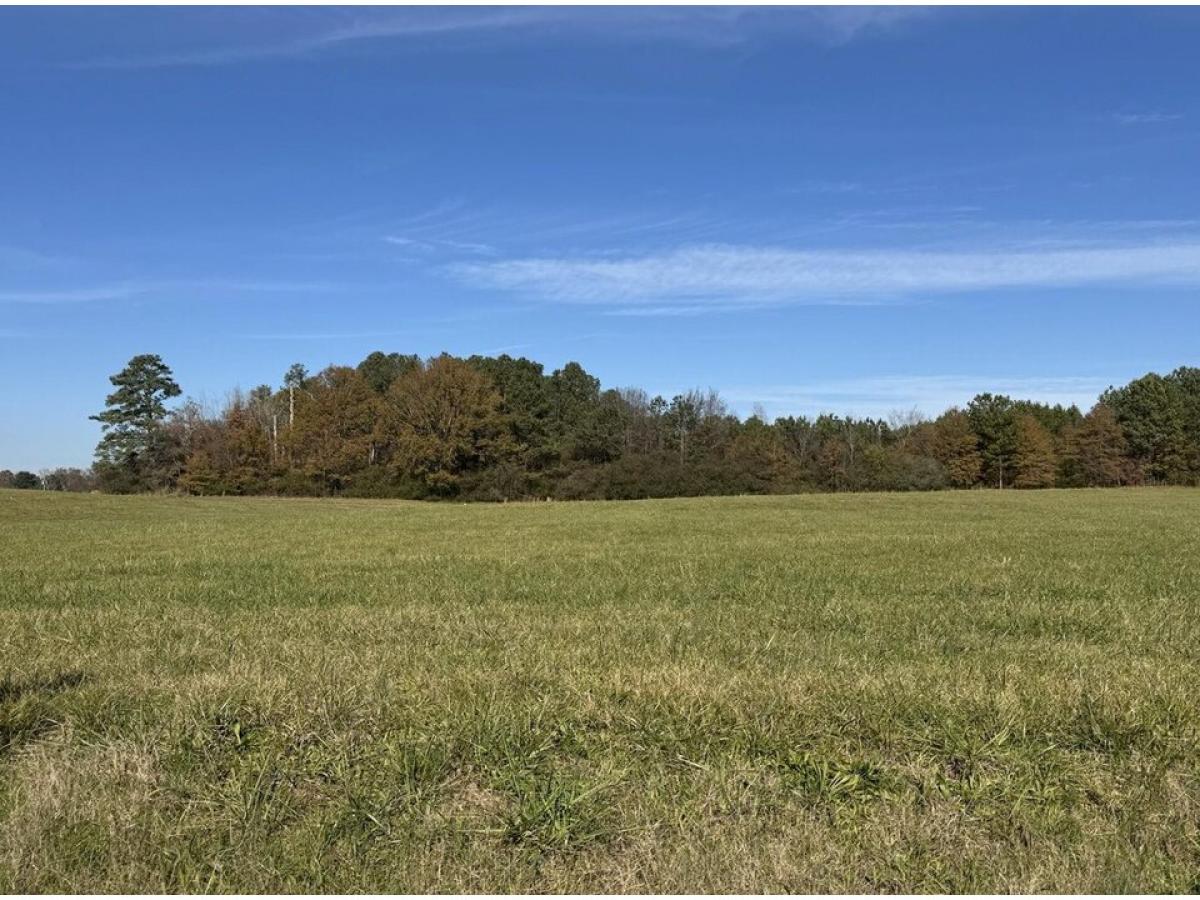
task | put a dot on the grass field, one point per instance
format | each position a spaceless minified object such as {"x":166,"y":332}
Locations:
{"x":944,"y":692}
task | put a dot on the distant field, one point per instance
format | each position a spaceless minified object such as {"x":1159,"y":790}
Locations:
{"x":975,"y":691}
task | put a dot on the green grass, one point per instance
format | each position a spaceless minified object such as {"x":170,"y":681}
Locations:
{"x":944,"y":692}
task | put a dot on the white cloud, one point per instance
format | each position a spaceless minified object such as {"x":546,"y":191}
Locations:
{"x":431,"y":244}
{"x":723,"y":276}
{"x":71,"y":295}
{"x":1145,"y":118}
{"x":820,"y":186}
{"x":507,"y":348}
{"x":127,"y":290}
{"x":407,"y":243}
{"x":361,"y":30}
{"x":704,"y":26}
{"x":321,"y":335}
{"x":930,"y":394}
{"x":23,"y":258}
{"x":842,"y":24}
{"x":471,"y":247}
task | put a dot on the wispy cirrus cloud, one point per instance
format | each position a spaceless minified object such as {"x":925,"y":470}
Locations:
{"x":129,"y":290}
{"x":704,"y":26}
{"x":23,"y":258}
{"x":1145,"y":118}
{"x":505,"y":348}
{"x":825,"y":186}
{"x":427,"y":245}
{"x":328,"y":37}
{"x":882,"y":395}
{"x":320,"y":335}
{"x":72,"y":295}
{"x":714,"y":277}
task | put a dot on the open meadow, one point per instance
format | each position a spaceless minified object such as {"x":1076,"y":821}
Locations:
{"x":959,"y":691}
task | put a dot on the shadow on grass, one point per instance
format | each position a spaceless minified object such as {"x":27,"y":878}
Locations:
{"x":23,"y":713}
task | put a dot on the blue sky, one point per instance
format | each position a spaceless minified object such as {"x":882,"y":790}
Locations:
{"x":852,"y":210}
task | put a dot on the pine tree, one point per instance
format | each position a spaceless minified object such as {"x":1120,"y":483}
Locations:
{"x":136,"y":452}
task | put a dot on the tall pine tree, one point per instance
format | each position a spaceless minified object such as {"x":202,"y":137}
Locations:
{"x":136,"y":452}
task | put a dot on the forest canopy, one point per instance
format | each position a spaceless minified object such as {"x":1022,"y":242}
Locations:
{"x":501,"y":428}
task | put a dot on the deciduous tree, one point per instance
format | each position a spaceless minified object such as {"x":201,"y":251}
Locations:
{"x":444,"y":419}
{"x":954,"y":444}
{"x":1034,"y":461}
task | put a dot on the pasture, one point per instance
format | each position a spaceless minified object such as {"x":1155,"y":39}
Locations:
{"x":959,"y":691}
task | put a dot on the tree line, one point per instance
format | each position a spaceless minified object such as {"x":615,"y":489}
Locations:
{"x":501,"y":428}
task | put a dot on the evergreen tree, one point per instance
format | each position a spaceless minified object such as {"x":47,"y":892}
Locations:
{"x":992,"y":419}
{"x":136,"y":452}
{"x":527,"y":406}
{"x":380,"y":369}
{"x":26,"y":481}
{"x":1151,"y":411}
{"x":574,"y":396}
